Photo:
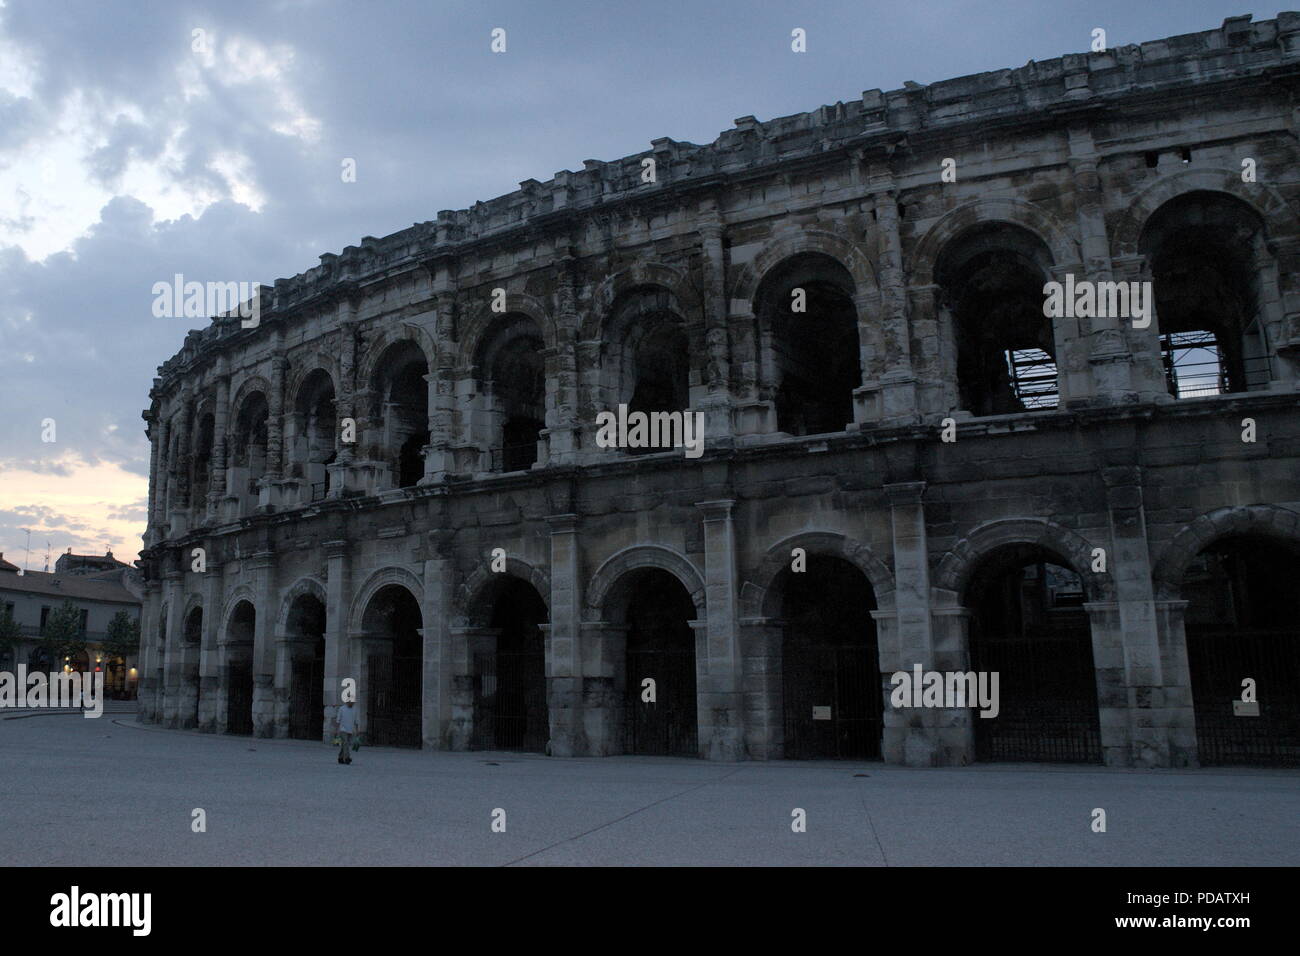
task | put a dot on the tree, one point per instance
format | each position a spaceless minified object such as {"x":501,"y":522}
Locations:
{"x":62,"y":636}
{"x":122,"y":638}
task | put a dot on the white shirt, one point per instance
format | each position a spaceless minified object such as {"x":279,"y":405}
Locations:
{"x":347,"y":719}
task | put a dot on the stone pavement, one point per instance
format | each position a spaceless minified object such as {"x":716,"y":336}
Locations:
{"x":114,"y":792}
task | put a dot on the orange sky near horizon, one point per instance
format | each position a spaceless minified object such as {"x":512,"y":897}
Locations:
{"x":87,"y":510}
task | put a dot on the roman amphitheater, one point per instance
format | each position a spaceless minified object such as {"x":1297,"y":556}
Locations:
{"x":393,"y":476}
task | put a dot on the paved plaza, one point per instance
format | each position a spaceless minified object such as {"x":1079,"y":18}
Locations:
{"x":113,"y":792}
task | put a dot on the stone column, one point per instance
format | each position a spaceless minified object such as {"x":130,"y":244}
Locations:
{"x":716,"y":378}
{"x":282,"y":688}
{"x":1179,"y":715}
{"x":220,"y":425}
{"x":262,"y":565}
{"x":436,"y":608}
{"x":161,"y":470}
{"x":897,"y":378}
{"x":463,"y":732}
{"x":1103,"y":343}
{"x":604,"y":654}
{"x":564,"y":671}
{"x":761,"y":641}
{"x":913,"y":640}
{"x":147,"y":688}
{"x":152,"y":430}
{"x":210,"y":655}
{"x":562,"y":425}
{"x":174,"y":588}
{"x":274,"y":431}
{"x":721,"y":705}
{"x":1130,"y":570}
{"x":338,"y":657}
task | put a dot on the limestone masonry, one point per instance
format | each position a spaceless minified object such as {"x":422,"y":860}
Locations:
{"x":394,"y":476}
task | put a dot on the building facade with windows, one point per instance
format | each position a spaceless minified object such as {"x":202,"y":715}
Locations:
{"x":393,"y":475}
{"x":97,"y":592}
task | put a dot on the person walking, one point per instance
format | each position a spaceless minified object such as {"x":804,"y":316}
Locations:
{"x":347,"y":722}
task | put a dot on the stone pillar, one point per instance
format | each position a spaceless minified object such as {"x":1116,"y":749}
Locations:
{"x":912,"y":637}
{"x":955,"y":735}
{"x":464,"y":731}
{"x":159,"y":484}
{"x":262,"y":565}
{"x":1130,"y":569}
{"x":721,"y":705}
{"x":562,"y":425}
{"x":762,"y":640}
{"x":344,"y":405}
{"x":220,"y":426}
{"x":171,"y":693}
{"x":338,"y":645}
{"x":604,"y":686}
{"x":1112,"y":682}
{"x":210,"y":655}
{"x":147,"y":689}
{"x":897,"y":378}
{"x":274,"y":431}
{"x":1179,"y":716}
{"x":153,"y":429}
{"x":564,"y":671}
{"x":716,"y":379}
{"x":436,"y":608}
{"x":282,"y":688}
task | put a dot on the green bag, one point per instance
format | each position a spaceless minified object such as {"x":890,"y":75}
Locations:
{"x":356,"y":742}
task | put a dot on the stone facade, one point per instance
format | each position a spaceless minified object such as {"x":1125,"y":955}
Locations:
{"x":475,"y":411}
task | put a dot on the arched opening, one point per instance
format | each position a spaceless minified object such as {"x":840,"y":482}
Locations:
{"x":1029,"y":626}
{"x":992,"y":279}
{"x":1204,"y":250}
{"x":510,"y":371}
{"x":1243,"y":624}
{"x":248,"y":460}
{"x":240,"y":633}
{"x":830,"y":662}
{"x":650,"y":369}
{"x":401,"y":407}
{"x":306,"y":630}
{"x":202,"y":474}
{"x":814,"y":362}
{"x":395,"y":667}
{"x":510,"y":706}
{"x":194,"y":627}
{"x":313,"y":430}
{"x":657,"y":612}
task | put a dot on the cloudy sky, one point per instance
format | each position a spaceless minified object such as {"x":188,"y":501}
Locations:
{"x":132,"y":148}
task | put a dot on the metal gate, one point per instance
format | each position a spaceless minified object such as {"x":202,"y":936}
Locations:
{"x":239,"y":700}
{"x":1219,"y":661}
{"x":510,"y":709}
{"x":668,"y":726}
{"x":393,"y":714}
{"x":1047,"y":690}
{"x":307,"y":700}
{"x":832,"y":701}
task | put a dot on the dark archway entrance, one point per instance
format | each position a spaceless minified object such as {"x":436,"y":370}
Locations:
{"x":1243,"y":622}
{"x":395,"y":668}
{"x":661,"y":647}
{"x":306,"y":627}
{"x":831,"y":703}
{"x":510,"y":707}
{"x":1028,"y":624}
{"x":239,"y":670}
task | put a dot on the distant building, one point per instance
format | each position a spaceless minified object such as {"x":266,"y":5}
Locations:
{"x":70,"y":563}
{"x":97,"y":590}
